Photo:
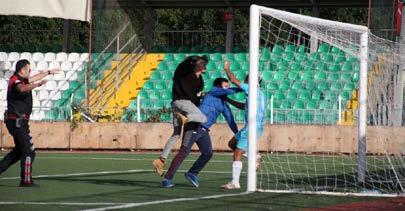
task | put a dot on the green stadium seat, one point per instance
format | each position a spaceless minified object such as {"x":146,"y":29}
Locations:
{"x":302,"y":49}
{"x":356,"y":67}
{"x":348,"y":86}
{"x":288,"y":56}
{"x":277,"y":49}
{"x":299,"y":104}
{"x":146,"y":104}
{"x":245,"y":66}
{"x":316,"y":95}
{"x":265,"y":57}
{"x":158,"y":104}
{"x":297,"y":85}
{"x":162,"y":66}
{"x":352,"y":59}
{"x":284,"y":85}
{"x":310,"y":85}
{"x":229,"y":57}
{"x":321,"y":66}
{"x":278,"y":96}
{"x":323,"y":85}
{"x":240,"y":57}
{"x":305,"y":95}
{"x":211,"y":66}
{"x":166,"y":75}
{"x":267,"y":76}
{"x":345,"y":96}
{"x":272,"y":86}
{"x":143,"y":95}
{"x":336,"y":86}
{"x":326,"y":57}
{"x":295,"y":67}
{"x":292,"y":94}
{"x":160,"y":85}
{"x":153,"y":95}
{"x":307,"y":76}
{"x":334,"y":67}
{"x":356,"y":77}
{"x":293,"y":75}
{"x":286,"y":104}
{"x":314,"y":56}
{"x":347,"y":67}
{"x":172,"y":66}
{"x":336,"y":50}
{"x":279,"y":75}
{"x":320,"y":76}
{"x":312,"y":104}
{"x":235,"y":66}
{"x":215,"y":74}
{"x":300,"y":57}
{"x":324,"y":48}
{"x":325,"y":105}
{"x":168,"y":57}
{"x":166,"y":94}
{"x":331,"y":96}
{"x":148,"y":85}
{"x":155,"y":76}
{"x":276,"y":58}
{"x":340,"y":58}
{"x":179,"y":57}
{"x":332,"y":76}
{"x":215,"y":57}
{"x":290,"y":48}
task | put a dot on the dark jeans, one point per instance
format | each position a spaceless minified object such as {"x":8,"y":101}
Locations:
{"x":195,"y":134}
{"x":23,"y":151}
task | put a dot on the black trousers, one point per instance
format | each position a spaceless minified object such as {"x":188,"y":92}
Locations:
{"x":23,"y":151}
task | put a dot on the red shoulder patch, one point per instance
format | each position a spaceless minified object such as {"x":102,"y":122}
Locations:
{"x":12,"y":80}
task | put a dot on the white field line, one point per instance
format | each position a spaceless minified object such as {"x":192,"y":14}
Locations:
{"x":60,"y":203}
{"x":108,"y":173}
{"x":131,"y":205}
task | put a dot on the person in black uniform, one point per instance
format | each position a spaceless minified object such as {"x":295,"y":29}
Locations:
{"x":19,"y":108}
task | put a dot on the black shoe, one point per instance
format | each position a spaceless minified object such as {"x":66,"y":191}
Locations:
{"x":33,"y":185}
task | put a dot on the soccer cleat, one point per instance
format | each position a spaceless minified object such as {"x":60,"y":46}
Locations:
{"x":167,"y":183}
{"x":159,"y":164}
{"x":180,"y":117}
{"x":192,"y":178}
{"x":230,"y":186}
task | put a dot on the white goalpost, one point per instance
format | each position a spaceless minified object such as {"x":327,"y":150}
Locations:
{"x":329,"y":61}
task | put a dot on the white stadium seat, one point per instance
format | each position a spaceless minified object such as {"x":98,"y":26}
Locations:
{"x":77,"y":66}
{"x":34,"y":72}
{"x":54,"y":65}
{"x":73,"y":57}
{"x":3,"y":56}
{"x":51,"y":85}
{"x":42,"y":66}
{"x":13,"y":66}
{"x":55,"y":95}
{"x":8,"y":74}
{"x":59,"y":77}
{"x":3,"y":94}
{"x":84,"y":57}
{"x":43,"y":95}
{"x":66,"y":66}
{"x":63,"y":85}
{"x":33,"y":65}
{"x":49,"y":57}
{"x":46,"y":104}
{"x":13,"y":56}
{"x":36,"y":103}
{"x":61,"y":57}
{"x":3,"y":84}
{"x":37,"y":115}
{"x":37,"y":57}
{"x":71,"y":76}
{"x":1,"y":74}
{"x":34,"y":94}
{"x":5,"y":65}
{"x":26,"y":56}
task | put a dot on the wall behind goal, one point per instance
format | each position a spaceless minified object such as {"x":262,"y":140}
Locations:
{"x":153,"y":136}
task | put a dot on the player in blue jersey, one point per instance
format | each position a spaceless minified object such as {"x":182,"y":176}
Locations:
{"x":239,"y":143}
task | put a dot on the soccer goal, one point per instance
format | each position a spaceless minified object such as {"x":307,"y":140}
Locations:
{"x":316,"y":73}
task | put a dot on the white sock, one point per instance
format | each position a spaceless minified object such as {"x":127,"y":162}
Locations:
{"x":236,"y":169}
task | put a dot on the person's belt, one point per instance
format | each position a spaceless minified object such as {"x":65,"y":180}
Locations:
{"x":15,"y":116}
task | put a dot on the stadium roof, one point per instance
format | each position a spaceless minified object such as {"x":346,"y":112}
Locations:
{"x":228,"y":3}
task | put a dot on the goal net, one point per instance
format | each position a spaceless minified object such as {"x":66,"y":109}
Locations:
{"x":328,"y":81}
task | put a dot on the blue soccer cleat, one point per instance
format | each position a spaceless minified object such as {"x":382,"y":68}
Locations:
{"x":193,"y":179}
{"x":167,"y":183}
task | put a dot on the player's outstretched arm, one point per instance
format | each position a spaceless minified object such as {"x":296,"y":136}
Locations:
{"x":42,"y":75}
{"x":230,"y":75}
{"x":237,"y":104}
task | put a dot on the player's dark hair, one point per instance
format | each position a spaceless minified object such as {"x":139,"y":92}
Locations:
{"x":218,"y":82}
{"x":187,"y":66}
{"x":20,"y":64}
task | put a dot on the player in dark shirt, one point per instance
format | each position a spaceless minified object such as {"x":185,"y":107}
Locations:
{"x":19,"y":108}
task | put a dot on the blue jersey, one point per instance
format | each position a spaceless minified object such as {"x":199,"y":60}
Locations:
{"x":261,"y":105}
{"x":212,"y":105}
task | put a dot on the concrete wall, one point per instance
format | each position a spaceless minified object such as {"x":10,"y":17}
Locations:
{"x":153,"y":136}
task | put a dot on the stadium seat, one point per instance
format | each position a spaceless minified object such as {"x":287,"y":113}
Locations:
{"x":335,"y":67}
{"x":336,"y":86}
{"x":340,"y":58}
{"x":63,"y":85}
{"x":49,"y":57}
{"x":293,"y":75}
{"x":71,"y":75}
{"x":3,"y":57}
{"x":179,"y":57}
{"x":61,"y":57}
{"x":84,"y":57}
{"x":160,"y":85}
{"x":13,"y":56}
{"x":55,"y":95}
{"x":284,"y":85}
{"x":43,"y":95}
{"x":5,"y":66}
{"x":37,"y":57}
{"x":317,"y":95}
{"x":347,"y":67}
{"x":348,"y":86}
{"x":42,"y":66}
{"x":320,"y":76}
{"x":3,"y":84}
{"x":73,"y":57}
{"x":290,"y":48}
{"x":324,"y":48}
{"x":26,"y":55}
{"x":277,"y":49}
{"x":286,"y":104}
{"x":323,"y":85}
{"x":240,"y":57}
{"x":51,"y":85}
{"x":332,"y":76}
{"x":54,"y":65}
{"x":66,"y":66}
{"x":1,"y":74}
{"x":288,"y":56}
{"x":46,"y":104}
{"x":8,"y":74}
{"x":312,"y":104}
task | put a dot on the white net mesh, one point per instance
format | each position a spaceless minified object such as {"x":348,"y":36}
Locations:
{"x":311,"y":71}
